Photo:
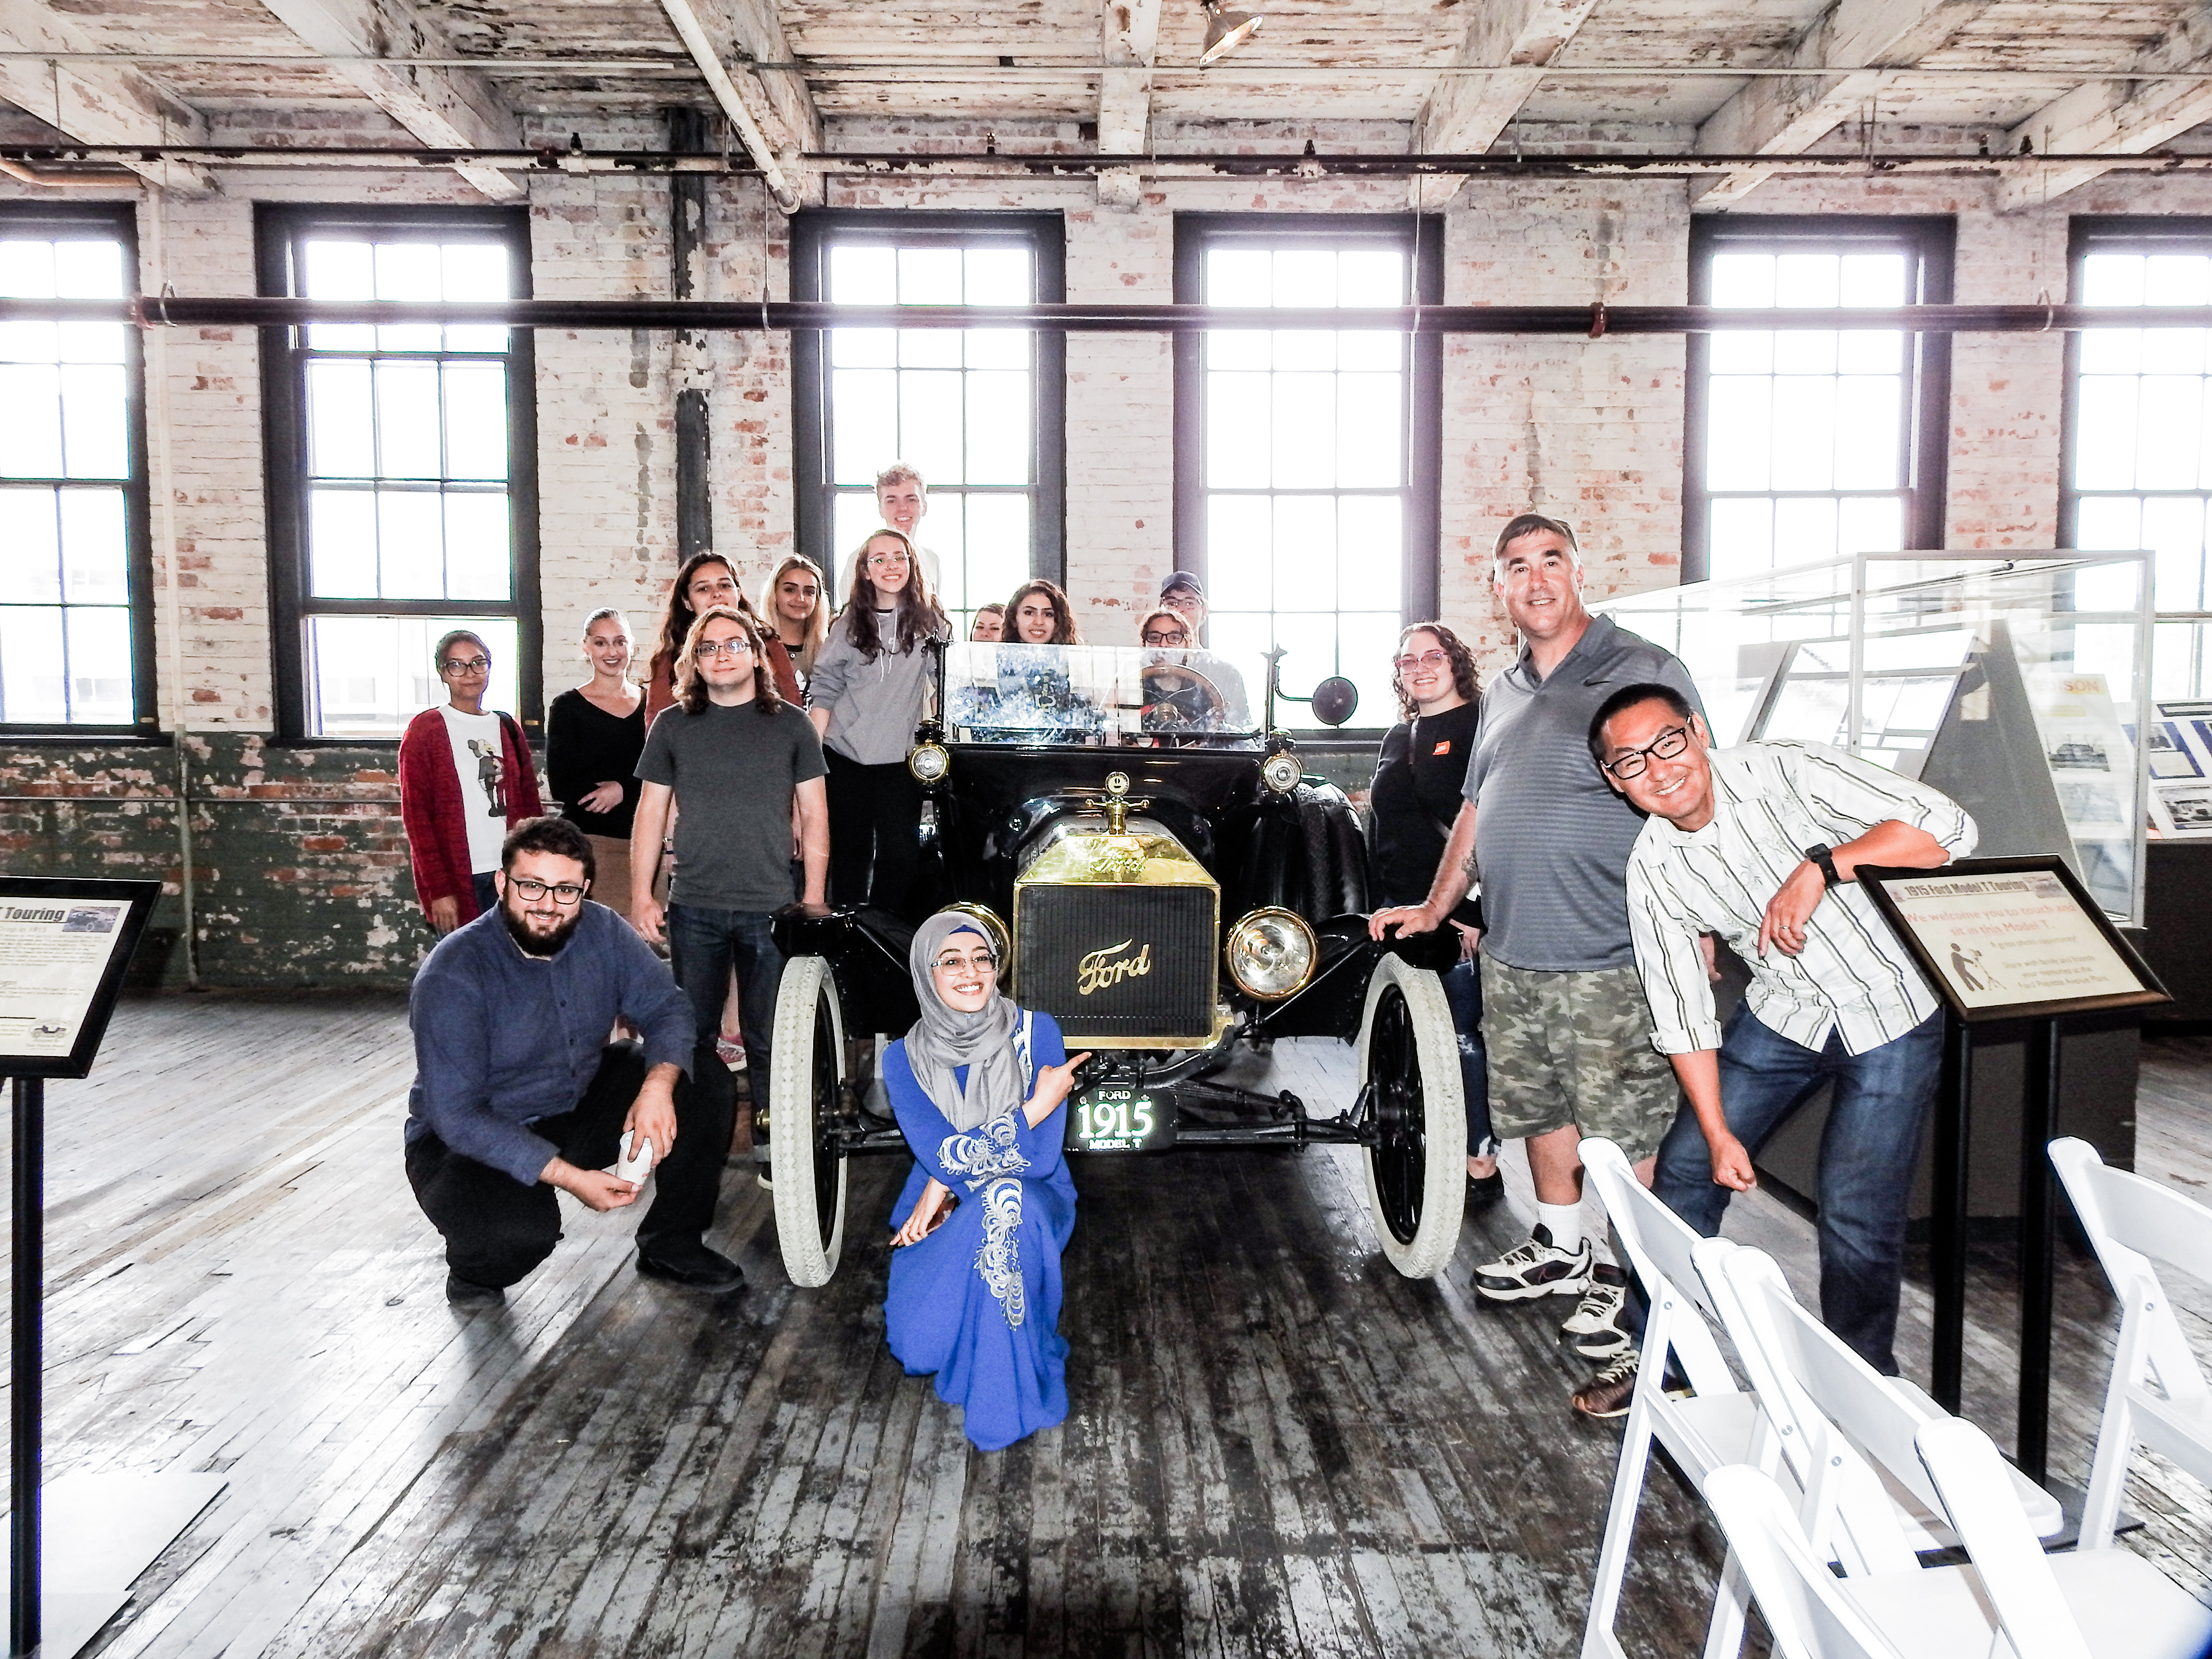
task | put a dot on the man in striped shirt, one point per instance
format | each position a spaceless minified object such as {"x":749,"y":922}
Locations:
{"x":1760,"y":844}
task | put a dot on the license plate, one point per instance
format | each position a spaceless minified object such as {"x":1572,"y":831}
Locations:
{"x":1112,"y":1118}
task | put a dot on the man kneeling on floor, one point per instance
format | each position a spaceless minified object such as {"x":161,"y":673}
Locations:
{"x":517,"y":1091}
{"x":1762,"y":844}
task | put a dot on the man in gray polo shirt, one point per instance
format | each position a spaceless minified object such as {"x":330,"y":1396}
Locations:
{"x":1565,"y":1019}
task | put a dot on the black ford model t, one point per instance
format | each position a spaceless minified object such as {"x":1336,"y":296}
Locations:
{"x":1158,"y":873}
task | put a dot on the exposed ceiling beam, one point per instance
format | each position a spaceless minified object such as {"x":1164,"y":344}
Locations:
{"x":2119,"y":115}
{"x":1465,"y":113}
{"x":1129,"y":34}
{"x":96,"y":103}
{"x":771,"y":110}
{"x":444,"y":108}
{"x":1775,"y":116}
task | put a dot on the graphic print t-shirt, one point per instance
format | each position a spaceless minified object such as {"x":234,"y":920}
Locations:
{"x":481,"y":761}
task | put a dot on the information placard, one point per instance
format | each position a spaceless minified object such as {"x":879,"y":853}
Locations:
{"x":2012,"y":938}
{"x":65,"y":946}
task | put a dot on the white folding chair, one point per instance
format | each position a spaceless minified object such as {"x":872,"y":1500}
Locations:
{"x":1813,"y":1386}
{"x":2133,"y":1608}
{"x":1806,"y":1606}
{"x":2133,"y":1223}
{"x":1720,"y":1424}
{"x":1873,"y":1441}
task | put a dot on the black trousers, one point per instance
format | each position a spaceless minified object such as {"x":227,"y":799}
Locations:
{"x":496,"y":1228}
{"x":875,"y":833}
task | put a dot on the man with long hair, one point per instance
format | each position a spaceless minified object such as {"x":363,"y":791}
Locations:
{"x":706,"y":579}
{"x":737,"y":759}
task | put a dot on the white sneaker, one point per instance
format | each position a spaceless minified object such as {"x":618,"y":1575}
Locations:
{"x":1536,"y":1268}
{"x":1598,"y":1327}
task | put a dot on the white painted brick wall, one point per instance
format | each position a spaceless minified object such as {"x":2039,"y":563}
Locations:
{"x":1591,"y":431}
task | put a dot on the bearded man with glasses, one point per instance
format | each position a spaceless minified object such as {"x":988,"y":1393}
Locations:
{"x":1762,"y":845}
{"x":518,"y":1094}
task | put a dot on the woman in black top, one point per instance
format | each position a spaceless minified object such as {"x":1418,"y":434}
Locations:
{"x":1416,"y":795}
{"x":594,"y":736}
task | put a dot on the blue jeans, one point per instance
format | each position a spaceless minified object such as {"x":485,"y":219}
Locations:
{"x":703,"y":946}
{"x":1868,"y":1152}
{"x":487,"y":892}
{"x":1463,"y":990}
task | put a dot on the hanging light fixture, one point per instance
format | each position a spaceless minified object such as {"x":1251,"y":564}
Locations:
{"x":1225,"y":31}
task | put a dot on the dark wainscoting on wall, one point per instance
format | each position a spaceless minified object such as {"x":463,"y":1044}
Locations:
{"x":299,"y":868}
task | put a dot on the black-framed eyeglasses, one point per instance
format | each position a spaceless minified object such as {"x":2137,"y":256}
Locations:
{"x":464,"y":665}
{"x":736,"y":647}
{"x":565,"y":893}
{"x":1177,"y":638}
{"x":983,"y":962}
{"x":1668,"y":744}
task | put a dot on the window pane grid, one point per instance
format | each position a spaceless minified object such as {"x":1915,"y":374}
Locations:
{"x":959,"y":405}
{"x":405,"y":487}
{"x":1805,"y":449}
{"x":2138,"y":475}
{"x":1305,"y":469}
{"x":68,"y":653}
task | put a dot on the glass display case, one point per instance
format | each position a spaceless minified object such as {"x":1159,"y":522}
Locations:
{"x":1102,"y":694}
{"x":2014,"y":682}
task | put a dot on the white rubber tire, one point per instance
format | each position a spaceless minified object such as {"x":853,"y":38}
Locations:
{"x":1443,"y":1108}
{"x":807,"y":987}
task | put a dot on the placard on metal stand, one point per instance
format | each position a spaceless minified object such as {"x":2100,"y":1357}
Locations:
{"x":2013,"y":938}
{"x":64,"y":948}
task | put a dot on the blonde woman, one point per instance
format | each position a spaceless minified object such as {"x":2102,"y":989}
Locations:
{"x":595,"y":733}
{"x":799,"y":608}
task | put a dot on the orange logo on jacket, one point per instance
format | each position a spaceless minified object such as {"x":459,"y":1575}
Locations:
{"x":1444,"y":748}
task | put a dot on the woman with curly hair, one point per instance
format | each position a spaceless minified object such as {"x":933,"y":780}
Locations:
{"x":1415,"y":797}
{"x":1040,"y":614}
{"x":706,"y":580}
{"x":870,"y":684}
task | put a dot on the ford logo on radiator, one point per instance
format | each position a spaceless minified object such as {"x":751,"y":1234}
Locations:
{"x":1110,"y":967}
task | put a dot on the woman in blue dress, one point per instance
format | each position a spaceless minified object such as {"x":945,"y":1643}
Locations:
{"x":978,"y":1085}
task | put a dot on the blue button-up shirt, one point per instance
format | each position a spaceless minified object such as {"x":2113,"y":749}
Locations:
{"x":503,"y":1038}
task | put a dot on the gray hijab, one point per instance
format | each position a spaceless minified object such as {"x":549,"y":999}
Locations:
{"x":945,"y":1038}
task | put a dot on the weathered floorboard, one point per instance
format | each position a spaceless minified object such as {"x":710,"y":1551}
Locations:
{"x":1276,"y":1445}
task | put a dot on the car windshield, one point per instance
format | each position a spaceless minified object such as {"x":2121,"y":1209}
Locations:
{"x":1101,"y":694}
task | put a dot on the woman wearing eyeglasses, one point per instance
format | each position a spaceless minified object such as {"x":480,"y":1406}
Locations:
{"x":870,"y":685}
{"x":738,"y":761}
{"x":1416,"y":795}
{"x":465,"y":779}
{"x":978,"y":1086}
{"x":705,"y":580}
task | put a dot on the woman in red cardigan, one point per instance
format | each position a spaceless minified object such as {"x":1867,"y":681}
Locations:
{"x":465,"y":779}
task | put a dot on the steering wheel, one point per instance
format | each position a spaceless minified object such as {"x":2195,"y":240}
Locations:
{"x":1178,"y":698}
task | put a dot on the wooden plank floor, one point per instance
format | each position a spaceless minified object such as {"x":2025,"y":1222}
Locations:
{"x":1278,"y":1445}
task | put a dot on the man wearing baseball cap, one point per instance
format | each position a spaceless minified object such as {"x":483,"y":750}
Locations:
{"x":1182,"y":592}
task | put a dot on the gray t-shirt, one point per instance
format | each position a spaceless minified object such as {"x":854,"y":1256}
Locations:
{"x":733,"y":771}
{"x":1551,"y":838}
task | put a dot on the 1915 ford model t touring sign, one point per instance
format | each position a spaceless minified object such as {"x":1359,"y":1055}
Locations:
{"x":1155,"y":871}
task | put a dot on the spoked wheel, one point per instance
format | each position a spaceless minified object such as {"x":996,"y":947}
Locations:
{"x":805,"y":1069}
{"x":1416,"y":1171}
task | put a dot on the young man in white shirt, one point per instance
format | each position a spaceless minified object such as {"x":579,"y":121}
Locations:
{"x":903,"y":500}
{"x":1761,"y":844}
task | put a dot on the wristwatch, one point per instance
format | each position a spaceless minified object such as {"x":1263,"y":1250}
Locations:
{"x":1824,"y":857}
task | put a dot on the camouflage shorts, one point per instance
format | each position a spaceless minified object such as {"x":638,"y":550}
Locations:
{"x":1574,"y":1048}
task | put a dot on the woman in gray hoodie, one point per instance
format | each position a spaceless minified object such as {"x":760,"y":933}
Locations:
{"x":870,"y":682}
